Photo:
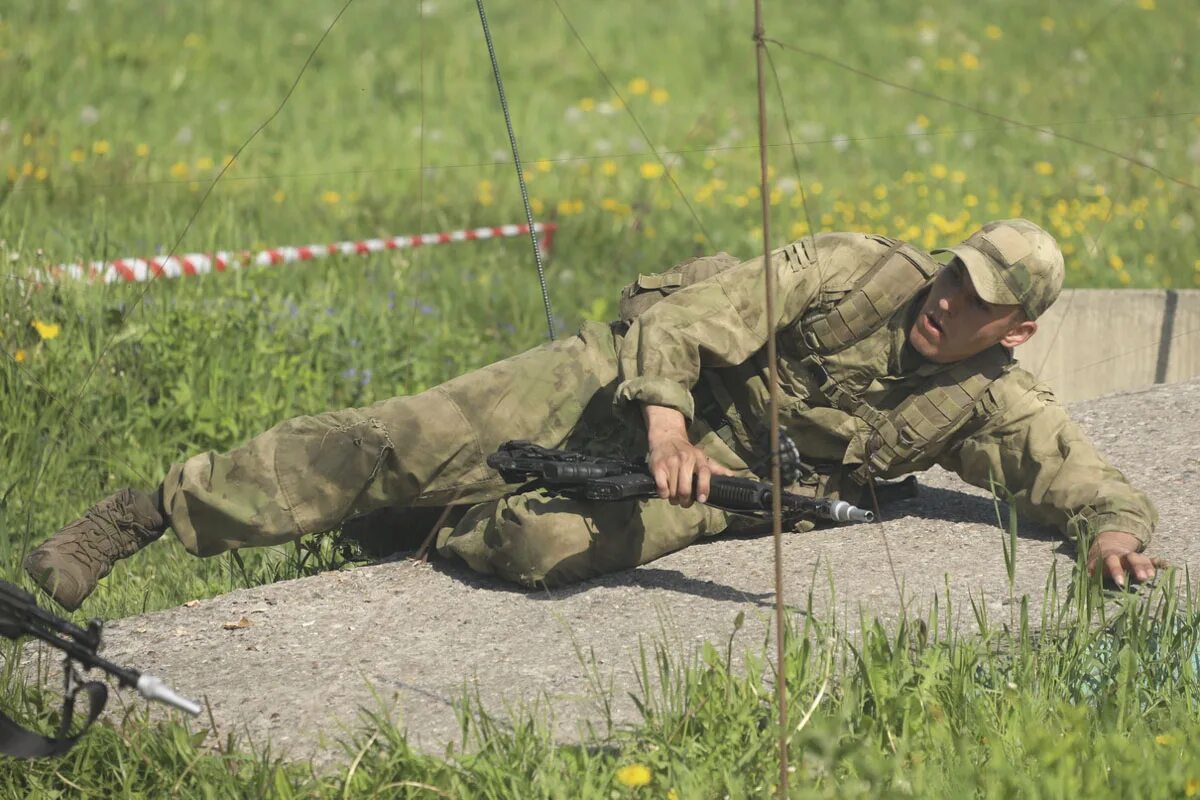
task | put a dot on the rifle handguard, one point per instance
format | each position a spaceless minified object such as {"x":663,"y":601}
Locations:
{"x":729,"y":493}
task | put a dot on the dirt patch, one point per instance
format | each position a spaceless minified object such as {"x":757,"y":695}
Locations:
{"x":292,"y":663}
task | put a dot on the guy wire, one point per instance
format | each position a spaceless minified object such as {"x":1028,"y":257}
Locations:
{"x":773,"y":406}
{"x":512,"y":140}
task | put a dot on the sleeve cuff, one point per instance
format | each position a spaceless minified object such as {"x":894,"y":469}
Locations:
{"x":1117,"y":521}
{"x":657,"y":392}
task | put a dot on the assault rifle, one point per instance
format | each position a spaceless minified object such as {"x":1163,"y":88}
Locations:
{"x":596,"y":478}
{"x":20,"y":616}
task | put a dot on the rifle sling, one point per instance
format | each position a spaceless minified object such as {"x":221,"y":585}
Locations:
{"x":19,"y":742}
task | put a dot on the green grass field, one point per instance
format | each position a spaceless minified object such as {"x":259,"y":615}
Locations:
{"x":116,"y":117}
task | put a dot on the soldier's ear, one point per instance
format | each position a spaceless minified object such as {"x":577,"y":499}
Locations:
{"x":1019,"y":333}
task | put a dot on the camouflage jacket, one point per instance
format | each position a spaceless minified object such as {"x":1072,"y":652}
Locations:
{"x":708,"y":340}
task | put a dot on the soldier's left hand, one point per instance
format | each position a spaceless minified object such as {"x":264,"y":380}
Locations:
{"x":1115,"y":553}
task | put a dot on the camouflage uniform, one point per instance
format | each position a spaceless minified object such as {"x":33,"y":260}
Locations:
{"x":869,"y":407}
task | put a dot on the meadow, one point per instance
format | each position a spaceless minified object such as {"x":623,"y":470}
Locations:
{"x":637,"y":126}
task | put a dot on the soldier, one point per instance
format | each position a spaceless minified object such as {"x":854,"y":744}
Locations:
{"x":889,"y":363}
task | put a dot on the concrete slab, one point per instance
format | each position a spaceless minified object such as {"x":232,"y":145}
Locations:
{"x":412,"y":638}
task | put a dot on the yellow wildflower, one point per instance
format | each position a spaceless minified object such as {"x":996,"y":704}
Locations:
{"x":1125,"y":278}
{"x":19,"y":356}
{"x":568,"y":207}
{"x":944,"y":64}
{"x":536,"y":205}
{"x":958,"y":176}
{"x":77,"y":155}
{"x":608,"y":169}
{"x":1043,"y":168}
{"x":1164,"y":739}
{"x":969,"y":61}
{"x":41,"y":173}
{"x":639,"y":86}
{"x":1116,"y":262}
{"x":179,"y":170}
{"x":142,"y":150}
{"x":674,"y":795}
{"x":651,"y":170}
{"x":204,"y":163}
{"x":101,"y":147}
{"x":1146,"y":5}
{"x":27,"y":139}
{"x":587,"y":104}
{"x":993,"y":32}
{"x":922,"y":121}
{"x":970,"y":201}
{"x":46,"y":330}
{"x":279,"y":196}
{"x":659,"y":96}
{"x":1047,"y":24}
{"x":1193,"y":787}
{"x":710,"y":163}
{"x":330,"y":197}
{"x":27,"y":168}
{"x":617,"y":103}
{"x":938,"y":171}
{"x":880,"y":192}
{"x":634,"y":775}
{"x":816,"y":187}
{"x":542,"y":165}
{"x":192,"y":40}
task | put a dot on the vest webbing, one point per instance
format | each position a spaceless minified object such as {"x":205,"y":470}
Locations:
{"x":884,"y":288}
{"x":919,"y":418}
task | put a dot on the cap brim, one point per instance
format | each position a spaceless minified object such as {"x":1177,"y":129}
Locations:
{"x":985,"y":275}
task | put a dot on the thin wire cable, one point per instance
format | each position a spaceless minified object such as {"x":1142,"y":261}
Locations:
{"x":1137,"y":162}
{"x":787,"y":124}
{"x":416,"y":283}
{"x":654,"y":150}
{"x":1181,"y":116}
{"x":45,"y":450}
{"x":512,"y":140}
{"x":773,"y":405}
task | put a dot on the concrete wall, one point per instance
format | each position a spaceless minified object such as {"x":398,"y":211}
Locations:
{"x":1098,"y":341}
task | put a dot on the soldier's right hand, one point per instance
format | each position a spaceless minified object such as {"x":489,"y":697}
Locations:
{"x":677,"y":465}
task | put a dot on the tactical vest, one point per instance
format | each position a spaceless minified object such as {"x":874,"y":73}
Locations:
{"x":818,"y":350}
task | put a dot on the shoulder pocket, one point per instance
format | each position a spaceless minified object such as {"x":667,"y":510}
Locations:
{"x":649,"y":289}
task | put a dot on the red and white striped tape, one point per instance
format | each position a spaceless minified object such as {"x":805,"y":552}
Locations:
{"x":129,"y":270}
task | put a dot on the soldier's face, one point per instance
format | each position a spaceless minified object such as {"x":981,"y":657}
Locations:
{"x":956,"y":323}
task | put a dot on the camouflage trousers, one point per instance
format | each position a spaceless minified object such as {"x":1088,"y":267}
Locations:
{"x":311,"y":473}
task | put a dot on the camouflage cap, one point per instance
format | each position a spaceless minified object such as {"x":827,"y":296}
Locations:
{"x":1013,"y":262}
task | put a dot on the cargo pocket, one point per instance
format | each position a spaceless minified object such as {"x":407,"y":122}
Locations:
{"x":325,"y":468}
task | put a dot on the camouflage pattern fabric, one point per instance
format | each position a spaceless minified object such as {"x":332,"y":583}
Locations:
{"x":703,"y":342}
{"x":713,"y":334}
{"x":310,"y":473}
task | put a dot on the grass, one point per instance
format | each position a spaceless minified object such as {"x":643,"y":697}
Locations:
{"x":1098,"y":697}
{"x":119,"y":114}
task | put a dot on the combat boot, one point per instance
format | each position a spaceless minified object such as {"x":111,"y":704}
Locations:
{"x":70,"y":564}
